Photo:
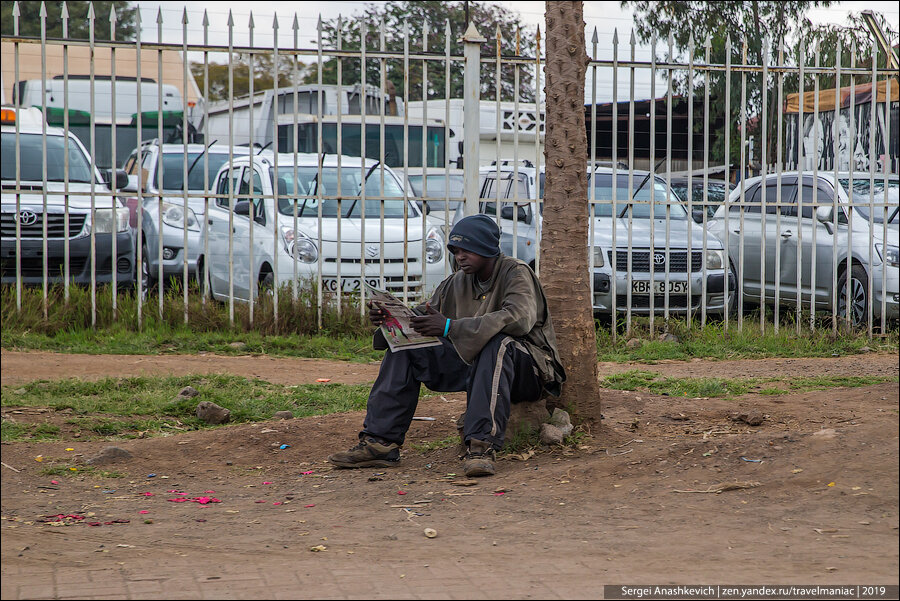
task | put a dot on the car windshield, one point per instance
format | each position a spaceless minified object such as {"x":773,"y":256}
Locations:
{"x":641,"y":206}
{"x":174,"y":164}
{"x":309,"y":187}
{"x":31,"y":159}
{"x":862,"y":194}
{"x":436,"y":189}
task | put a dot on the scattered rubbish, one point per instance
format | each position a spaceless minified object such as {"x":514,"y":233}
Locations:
{"x":284,"y":446}
{"x":277,"y":502}
{"x":824,"y":530}
{"x":209,"y":492}
{"x":306,"y":473}
{"x":124,"y":546}
{"x":523,"y":456}
{"x":260,"y":501}
{"x":318,"y":548}
{"x":400,"y":492}
{"x":751,"y":460}
{"x":9,"y":466}
{"x":323,"y":379}
{"x":498,"y":494}
{"x":147,"y":494}
{"x":39,"y":458}
{"x":424,"y":419}
{"x":70,"y":449}
{"x":144,"y":511}
{"x":151,"y":475}
{"x":312,"y":505}
{"x":464,"y":482}
{"x":430,"y":532}
{"x":375,"y":478}
{"x":719,"y":488}
{"x":54,"y":482}
{"x":797,"y":471}
{"x":109,"y":492}
{"x":831,"y":484}
{"x":266,"y":482}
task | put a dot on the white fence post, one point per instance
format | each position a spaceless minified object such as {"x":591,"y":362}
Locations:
{"x":472,"y":115}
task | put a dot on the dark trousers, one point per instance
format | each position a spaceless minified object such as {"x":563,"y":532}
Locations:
{"x":501,"y":374}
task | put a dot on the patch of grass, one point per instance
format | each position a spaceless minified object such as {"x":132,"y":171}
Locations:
{"x":723,"y":387}
{"x":152,"y":404}
{"x":433,"y":445}
{"x":10,"y":432}
{"x":81,"y":470}
{"x":522,"y":440}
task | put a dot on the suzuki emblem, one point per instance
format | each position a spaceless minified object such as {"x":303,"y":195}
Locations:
{"x":372,"y":251}
{"x":27,"y":217}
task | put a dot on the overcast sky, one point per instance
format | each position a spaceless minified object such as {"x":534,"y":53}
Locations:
{"x":605,"y":16}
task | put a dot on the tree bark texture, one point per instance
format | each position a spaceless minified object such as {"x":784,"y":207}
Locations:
{"x":564,"y":259}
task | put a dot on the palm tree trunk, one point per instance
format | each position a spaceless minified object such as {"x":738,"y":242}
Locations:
{"x":564,"y":259}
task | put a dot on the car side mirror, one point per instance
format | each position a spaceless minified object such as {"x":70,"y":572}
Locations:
{"x":507,"y":213}
{"x":242,"y":207}
{"x":424,"y":206}
{"x":825,"y":215}
{"x":697,"y":215}
{"x":116,"y":179}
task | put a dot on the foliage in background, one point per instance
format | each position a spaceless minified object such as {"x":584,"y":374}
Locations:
{"x":263,"y":75}
{"x":30,"y":20}
{"x":486,"y":16}
{"x":755,"y":22}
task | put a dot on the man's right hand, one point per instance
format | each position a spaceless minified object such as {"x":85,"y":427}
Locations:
{"x":376,"y":314}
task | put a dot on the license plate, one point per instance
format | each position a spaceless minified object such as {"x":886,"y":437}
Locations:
{"x":659,"y":287}
{"x":347,"y":284}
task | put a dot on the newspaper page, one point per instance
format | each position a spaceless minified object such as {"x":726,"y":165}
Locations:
{"x":397,"y":329}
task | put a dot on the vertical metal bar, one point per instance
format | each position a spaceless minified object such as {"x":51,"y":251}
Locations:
{"x":779,"y":173}
{"x":363,"y":124}
{"x":114,"y":234}
{"x":497,"y":161}
{"x":382,"y":45}
{"x":66,"y":217}
{"x":446,"y":233}
{"x":422,"y":263}
{"x":159,"y":160}
{"x":537,"y":146}
{"x":139,"y":168}
{"x":515,"y":122}
{"x":184,"y":162}
{"x":231,"y":170}
{"x":671,"y":59}
{"x":295,"y":152}
{"x":746,"y":157}
{"x":592,"y":168}
{"x":615,"y":183}
{"x":815,"y":191}
{"x":652,"y":180}
{"x":835,"y":207}
{"x":44,"y":215}
{"x":887,"y":166}
{"x":339,"y":133}
{"x":204,"y":286}
{"x":873,"y":111}
{"x":707,"y":48}
{"x":690,"y":180}
{"x":798,"y":136}
{"x":252,"y":285}
{"x":276,"y":110}
{"x":472,"y":41}
{"x":764,"y":85}
{"x":405,"y":163}
{"x":319,"y":179}
{"x":16,"y":15}
{"x":630,"y":200}
{"x":851,"y":207}
{"x":93,"y":123}
{"x":726,"y":261}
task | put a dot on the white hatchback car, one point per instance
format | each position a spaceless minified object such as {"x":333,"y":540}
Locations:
{"x":345,"y":224}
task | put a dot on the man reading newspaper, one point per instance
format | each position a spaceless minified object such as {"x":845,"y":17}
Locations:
{"x":496,"y":342}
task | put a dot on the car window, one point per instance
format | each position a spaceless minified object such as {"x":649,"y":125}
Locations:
{"x":223,"y":188}
{"x":862,"y":195}
{"x":198,"y":178}
{"x":602,"y":183}
{"x":32,"y":161}
{"x":308,"y":187}
{"x":751,"y":201}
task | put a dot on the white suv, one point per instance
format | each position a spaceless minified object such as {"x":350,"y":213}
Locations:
{"x":293,"y":224}
{"x":62,"y":203}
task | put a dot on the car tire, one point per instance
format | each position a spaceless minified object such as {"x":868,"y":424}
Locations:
{"x":265,"y":284}
{"x":148,"y":282}
{"x":859,"y":296}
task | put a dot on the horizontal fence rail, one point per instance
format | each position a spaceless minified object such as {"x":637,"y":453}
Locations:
{"x":349,"y":168}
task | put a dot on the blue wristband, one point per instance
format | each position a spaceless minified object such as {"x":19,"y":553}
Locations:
{"x":447,"y":328}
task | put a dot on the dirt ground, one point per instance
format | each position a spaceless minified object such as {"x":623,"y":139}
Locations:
{"x":658,"y":490}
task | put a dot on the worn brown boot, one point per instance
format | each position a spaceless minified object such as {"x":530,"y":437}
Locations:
{"x":368,"y":453}
{"x":479,"y":459}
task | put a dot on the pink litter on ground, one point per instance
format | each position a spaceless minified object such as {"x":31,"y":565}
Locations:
{"x":143,"y":511}
{"x":313,"y":505}
{"x":54,"y":482}
{"x":497,"y":494}
{"x":266,"y":482}
{"x":400,"y":492}
{"x":180,"y":500}
{"x":209,"y":491}
{"x":306,"y":473}
{"x":260,"y":501}
{"x":276,"y":502}
{"x":147,"y":494}
{"x":173,"y":490}
{"x":204,"y":500}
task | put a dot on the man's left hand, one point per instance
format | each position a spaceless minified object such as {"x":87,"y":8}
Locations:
{"x":430,"y":324}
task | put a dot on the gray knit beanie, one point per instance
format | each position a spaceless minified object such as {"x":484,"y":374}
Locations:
{"x":476,"y":233}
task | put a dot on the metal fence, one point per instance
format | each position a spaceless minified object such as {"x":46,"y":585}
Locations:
{"x":324,"y":186}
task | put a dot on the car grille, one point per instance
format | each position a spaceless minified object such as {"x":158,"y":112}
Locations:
{"x":56,"y":226}
{"x":642,"y":301}
{"x":640,"y":261}
{"x":355,"y":261}
{"x":33,"y":267}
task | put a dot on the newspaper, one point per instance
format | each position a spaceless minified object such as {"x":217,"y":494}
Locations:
{"x":397,"y":330}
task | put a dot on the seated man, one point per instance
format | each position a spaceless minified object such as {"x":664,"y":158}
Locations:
{"x":497,"y":344}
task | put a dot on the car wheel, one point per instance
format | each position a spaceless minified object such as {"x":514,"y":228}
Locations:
{"x":265,"y":285}
{"x":148,"y":282}
{"x":202,"y":280}
{"x":858,"y":297}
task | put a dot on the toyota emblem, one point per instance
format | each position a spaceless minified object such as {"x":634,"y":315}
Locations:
{"x":372,"y":251}
{"x":27,"y":217}
{"x":659,"y":258}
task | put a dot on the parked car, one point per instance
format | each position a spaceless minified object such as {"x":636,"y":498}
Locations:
{"x":804,"y":236}
{"x":655,"y":263}
{"x":441,"y":191}
{"x":717,"y":190}
{"x":69,"y":218}
{"x":319,"y":230}
{"x":162,"y":168}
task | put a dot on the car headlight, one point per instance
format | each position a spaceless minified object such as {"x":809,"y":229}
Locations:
{"x":103,"y":221}
{"x":889,"y":254}
{"x":714,"y":259}
{"x":173,"y":215}
{"x":434,"y":246}
{"x":598,"y":257}
{"x":302,"y":247}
